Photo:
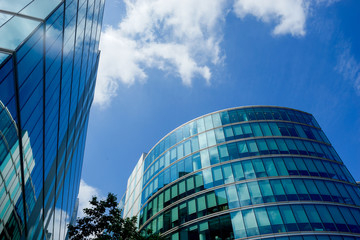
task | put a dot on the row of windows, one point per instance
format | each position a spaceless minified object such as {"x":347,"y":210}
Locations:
{"x":245,"y":194}
{"x":314,"y":237}
{"x":288,"y":218}
{"x":249,"y":169}
{"x":291,"y":218}
{"x":229,"y":133}
{"x":232,"y":151}
{"x":227,"y":117}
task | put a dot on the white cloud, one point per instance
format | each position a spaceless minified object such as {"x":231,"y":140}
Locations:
{"x":349,"y":68}
{"x":182,"y":38}
{"x":86,"y":192}
{"x":290,"y":15}
{"x":178,"y":37}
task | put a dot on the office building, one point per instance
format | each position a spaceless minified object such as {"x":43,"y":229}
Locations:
{"x":245,"y":173}
{"x":48,"y":66}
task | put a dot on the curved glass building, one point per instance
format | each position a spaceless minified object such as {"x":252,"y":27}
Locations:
{"x":245,"y":173}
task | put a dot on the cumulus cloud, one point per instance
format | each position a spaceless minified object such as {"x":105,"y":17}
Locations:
{"x":290,"y":15}
{"x":349,"y":68}
{"x":86,"y":192}
{"x":178,"y":37}
{"x":182,"y":38}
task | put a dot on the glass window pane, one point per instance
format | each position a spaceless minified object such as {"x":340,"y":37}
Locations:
{"x":238,"y":171}
{"x":191,"y":206}
{"x":208,"y":122}
{"x":263,"y":220}
{"x":273,"y":148}
{"x":256,"y":129}
{"x":247,"y":130}
{"x":214,"y":156}
{"x":278,"y":190}
{"x":216,"y":119}
{"x":208,"y":180}
{"x":223,"y":152}
{"x":259,"y":168}
{"x":196,"y":162}
{"x":217,"y":175}
{"x":253,"y":149}
{"x":280,"y":166}
{"x":228,"y":174}
{"x":248,"y":169}
{"x":275,"y":130}
{"x":250,"y":222}
{"x":211,"y":140}
{"x":255,"y":193}
{"x":238,"y":224}
{"x":265,"y":129}
{"x":221,"y":198}
{"x":301,"y":218}
{"x":210,"y":200}
{"x":275,"y":219}
{"x":266,"y":190}
{"x":243,"y":150}
{"x":202,"y":140}
{"x":270,"y":167}
{"x":201,"y":203}
{"x":205,"y":159}
{"x":289,"y":189}
{"x":232,"y":197}
{"x":238,"y":131}
{"x":243,"y":194}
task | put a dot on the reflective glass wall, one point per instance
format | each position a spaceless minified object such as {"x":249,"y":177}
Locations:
{"x":48,"y":65}
{"x":248,"y":172}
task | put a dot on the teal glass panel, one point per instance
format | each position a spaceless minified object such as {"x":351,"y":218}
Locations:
{"x":238,"y":224}
{"x":289,"y":218}
{"x":277,"y":224}
{"x":266,"y":190}
{"x":244,"y":195}
{"x":301,"y":218}
{"x":250,"y":222}
{"x":263,"y":221}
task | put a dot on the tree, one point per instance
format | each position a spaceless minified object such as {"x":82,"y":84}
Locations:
{"x":103,"y":221}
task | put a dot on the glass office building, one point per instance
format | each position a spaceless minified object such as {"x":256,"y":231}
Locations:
{"x":48,"y":65}
{"x":245,"y":173}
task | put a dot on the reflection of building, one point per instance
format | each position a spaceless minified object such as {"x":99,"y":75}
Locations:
{"x":48,"y":65}
{"x":10,"y":174}
{"x":249,"y":172}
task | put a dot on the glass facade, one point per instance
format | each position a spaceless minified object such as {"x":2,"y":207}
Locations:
{"x":250,"y":172}
{"x":48,"y":66}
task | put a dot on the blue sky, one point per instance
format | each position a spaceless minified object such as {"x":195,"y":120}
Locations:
{"x":165,"y":62}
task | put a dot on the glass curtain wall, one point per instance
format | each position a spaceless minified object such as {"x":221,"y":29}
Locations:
{"x":248,"y":172}
{"x":48,"y":65}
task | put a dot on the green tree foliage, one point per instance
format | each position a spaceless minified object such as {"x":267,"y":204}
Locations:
{"x":103,"y":221}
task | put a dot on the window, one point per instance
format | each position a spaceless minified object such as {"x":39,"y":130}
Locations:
{"x":263,"y":220}
{"x":301,"y":218}
{"x":228,"y":174}
{"x":238,"y":171}
{"x":255,"y":193}
{"x":243,"y":194}
{"x":267,"y":193}
{"x":233,"y":200}
{"x":278,"y":190}
{"x":289,"y":218}
{"x":238,"y":224}
{"x":250,"y":222}
{"x":275,"y":219}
